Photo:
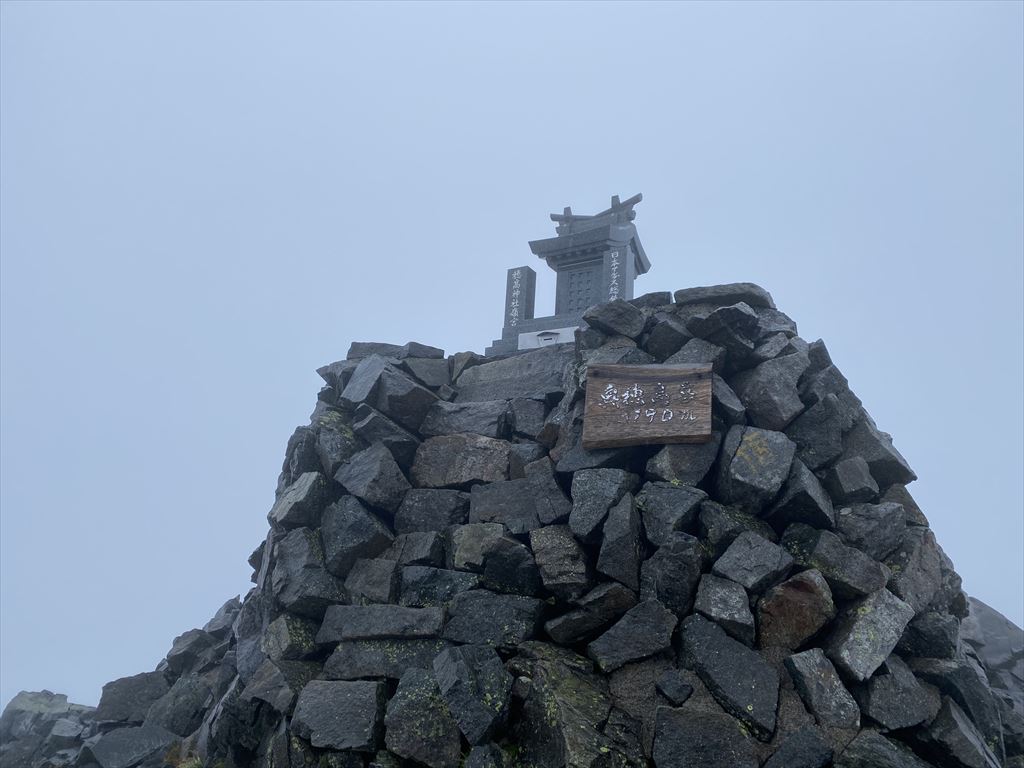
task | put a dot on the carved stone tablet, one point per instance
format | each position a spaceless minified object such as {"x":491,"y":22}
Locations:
{"x":647,"y":404}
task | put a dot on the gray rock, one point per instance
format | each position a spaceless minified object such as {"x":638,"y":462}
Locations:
{"x":802,"y":749}
{"x":340,"y":715}
{"x":290,"y":638}
{"x":822,"y":691}
{"x":666,"y":337}
{"x":952,"y":738}
{"x":866,"y":633}
{"x":336,"y":442}
{"x":620,"y":553}
{"x":684,"y":463}
{"x":481,"y":616}
{"x":849,"y":572}
{"x":793,"y":612}
{"x":894,"y":698}
{"x":594,"y":492}
{"x":128,"y":699}
{"x":818,"y":432}
{"x":414,"y":349}
{"x":359,"y":350}
{"x":697,"y":351}
{"x":875,"y":529}
{"x":734,"y":327}
{"x":643,"y":631}
{"x":769,"y":391}
{"x":400,"y":398}
{"x":597,"y":609}
{"x":372,"y":426}
{"x":616,"y":317}
{"x":374,"y":476}
{"x":337,"y":374}
{"x":932,"y":635}
{"x":803,"y":500}
{"x":830,"y":381}
{"x":509,"y":502}
{"x":65,"y":733}
{"x":673,"y":686}
{"x":872,"y":750}
{"x":741,"y":681}
{"x":219,"y":626}
{"x":509,"y":567}
{"x":490,"y":418}
{"x":536,"y":375}
{"x":671,"y":574}
{"x":726,"y":403}
{"x":849,"y":481}
{"x":181,"y":709}
{"x":427,"y":509}
{"x":666,"y":508}
{"x":728,"y":293}
{"x":753,"y":466}
{"x":685,"y":738}
{"x":720,"y":526}
{"x":424,"y":587}
{"x":899,"y":494}
{"x":418,"y":724}
{"x":725,"y":603}
{"x":301,"y":503}
{"x":373,"y":581}
{"x":887,"y":464}
{"x":127,"y":747}
{"x":371,"y":622}
{"x":753,"y":562}
{"x":916,"y":567}
{"x":561,"y":561}
{"x":279,"y":683}
{"x":474,"y":683}
{"x":528,"y":416}
{"x":431,"y":372}
{"x":485,"y":756}
{"x":468,"y":545}
{"x":350,"y":532}
{"x":652,"y":300}
{"x":354,"y":659}
{"x":191,"y":650}
{"x":996,"y":641}
{"x":419,"y":548}
{"x":458,"y":461}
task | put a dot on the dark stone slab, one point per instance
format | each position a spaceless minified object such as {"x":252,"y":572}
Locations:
{"x":801,"y":749}
{"x":793,"y":612}
{"x":673,"y":686}
{"x":932,"y":635}
{"x":875,"y":529}
{"x":424,"y":587}
{"x":597,"y":609}
{"x":127,"y":747}
{"x":458,"y":461}
{"x":414,"y":349}
{"x":671,"y":574}
{"x":181,"y":709}
{"x":360,"y":350}
{"x":594,"y":492}
{"x":428,"y":509}
{"x":336,"y":442}
{"x":753,"y":466}
{"x":916,"y":567}
{"x":373,"y":581}
{"x":536,"y":375}
{"x":952,"y":739}
{"x":866,"y":633}
{"x":301,"y":503}
{"x":734,"y":327}
{"x":803,"y":500}
{"x":697,"y":351}
{"x":621,"y":544}
{"x":343,"y":715}
{"x":191,"y":650}
{"x":849,"y":572}
{"x":666,"y":508}
{"x":725,"y":294}
{"x":278,"y":683}
{"x":887,"y":464}
{"x":355,"y":659}
{"x":822,"y":691}
{"x":753,"y":562}
{"x":300,"y":581}
{"x":872,"y":750}
{"x":561,"y":561}
{"x":220,"y":625}
{"x":899,"y":494}
{"x":509,"y":567}
{"x":128,"y":699}
{"x":769,"y":391}
{"x":418,"y":548}
{"x":741,"y":681}
{"x":474,"y":683}
{"x":965,"y":683}
{"x":726,"y":403}
{"x":849,"y":481}
{"x":372,"y":426}
{"x":643,"y":631}
{"x":652,"y":300}
{"x":894,"y":698}
{"x":720,"y":525}
{"x":469,"y":544}
{"x":818,"y":432}
{"x":400,"y":398}
{"x":666,"y":337}
{"x":616,"y":317}
{"x":685,"y":738}
{"x":374,"y":476}
{"x":490,"y":418}
{"x":726,"y":603}
{"x":351,"y":532}
{"x":372,"y":622}
{"x":418,"y":725}
{"x":634,"y":690}
{"x":336,"y":374}
{"x":431,"y":372}
{"x":290,"y":638}
{"x":481,"y":616}
{"x":528,"y":416}
{"x":509,"y":502}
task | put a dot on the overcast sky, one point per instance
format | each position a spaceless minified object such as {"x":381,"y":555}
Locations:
{"x":203,"y":202}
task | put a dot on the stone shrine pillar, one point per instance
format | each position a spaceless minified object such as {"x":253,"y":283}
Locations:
{"x":520,"y":294}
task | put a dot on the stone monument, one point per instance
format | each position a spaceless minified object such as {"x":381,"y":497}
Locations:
{"x":596,"y":258}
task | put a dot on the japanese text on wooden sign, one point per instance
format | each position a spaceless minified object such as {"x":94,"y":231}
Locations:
{"x":646,"y":404}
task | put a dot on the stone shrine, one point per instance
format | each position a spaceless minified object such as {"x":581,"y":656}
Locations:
{"x":596,"y":258}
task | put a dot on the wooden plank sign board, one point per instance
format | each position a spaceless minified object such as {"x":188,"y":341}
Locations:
{"x":646,"y":404}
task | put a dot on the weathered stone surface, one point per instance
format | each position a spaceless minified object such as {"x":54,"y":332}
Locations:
{"x":932,"y":635}
{"x":643,"y":631}
{"x":278,"y":684}
{"x":351,"y":532}
{"x":510,"y":502}
{"x":340,"y":714}
{"x":898,"y":494}
{"x":474,"y":683}
{"x":191,"y":650}
{"x":673,"y":686}
{"x":458,"y":461}
{"x":374,"y":581}
{"x":685,"y":738}
{"x":753,"y":466}
{"x":886,"y":463}
{"x":431,"y":372}
{"x":621,"y":544}
{"x":740,"y":680}
{"x":527,"y":416}
{"x":802,"y":500}
{"x":354,"y":659}
{"x":726,"y":403}
{"x":561,"y":561}
{"x":418,"y":724}
{"x":697,"y":351}
{"x":372,"y":426}
{"x":301,"y":502}
{"x":671,"y":574}
{"x":684,"y":464}
{"x":666,"y":336}
{"x":413,"y":349}
{"x":536,"y":375}
{"x":822,"y":691}
{"x":872,"y":750}
{"x":665,"y":508}
{"x":634,"y":690}
{"x":849,"y":481}
{"x":753,"y":562}
{"x":849,"y":572}
{"x":418,"y":548}
{"x":290,"y":638}
{"x":719,"y":526}
{"x":468,"y":545}
{"x":336,"y":374}
{"x":481,"y":616}
{"x":894,"y":698}
{"x":875,"y":529}
{"x":490,"y":418}
{"x":818,"y":432}
{"x":769,"y":391}
{"x":424,"y":587}
{"x":374,"y":476}
{"x":827,"y":381}
{"x":616,"y":317}
{"x":725,"y":294}
{"x":219,"y":626}
{"x":336,"y":442}
{"x":734,"y":327}
{"x":965,"y":683}
{"x":867,"y":632}
{"x":509,"y":567}
{"x":126,"y":747}
{"x":916,"y":567}
{"x":181,"y":709}
{"x":792,"y":612}
{"x":428,"y":509}
{"x":359,"y":350}
{"x":128,"y":699}
{"x":801,"y":749}
{"x":594,"y":492}
{"x":401,"y":399}
{"x":370,"y":622}
{"x":725,"y":603}
{"x":952,"y":739}
{"x":485,"y":756}
{"x":597,"y":609}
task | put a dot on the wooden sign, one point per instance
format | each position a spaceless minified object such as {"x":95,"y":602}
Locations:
{"x":647,"y":404}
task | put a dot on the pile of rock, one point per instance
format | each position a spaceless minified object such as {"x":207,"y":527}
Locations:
{"x":450,"y":577}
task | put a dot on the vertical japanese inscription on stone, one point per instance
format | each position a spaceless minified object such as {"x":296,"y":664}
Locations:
{"x":647,"y":404}
{"x":520,"y":292}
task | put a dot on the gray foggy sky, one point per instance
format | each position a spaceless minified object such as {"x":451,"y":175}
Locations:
{"x":203,"y":202}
